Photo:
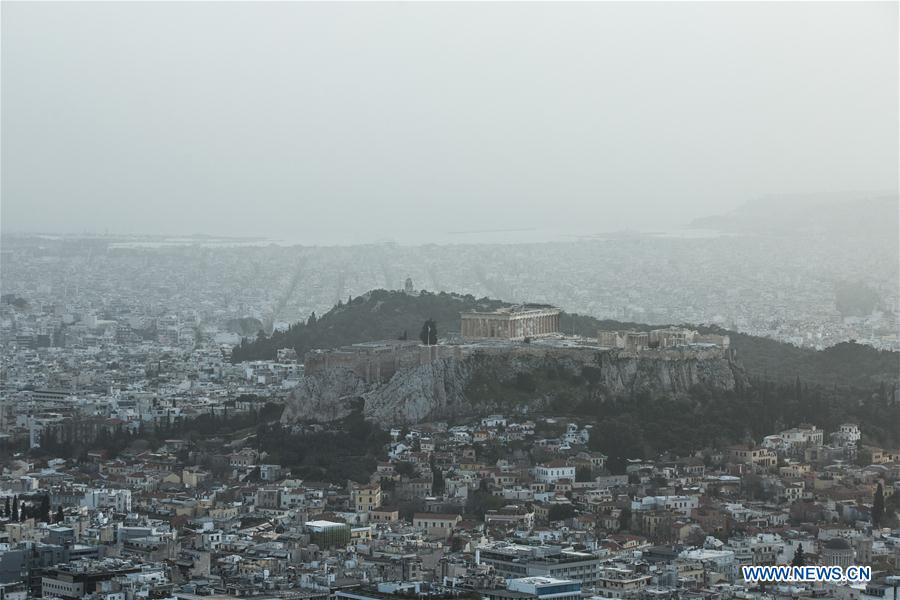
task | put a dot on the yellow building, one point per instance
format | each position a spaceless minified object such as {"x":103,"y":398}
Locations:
{"x":366,"y":498}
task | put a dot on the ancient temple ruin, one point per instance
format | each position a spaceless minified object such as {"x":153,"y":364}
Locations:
{"x":513,"y":323}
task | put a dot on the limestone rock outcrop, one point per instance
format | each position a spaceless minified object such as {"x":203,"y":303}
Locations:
{"x":516,"y":380}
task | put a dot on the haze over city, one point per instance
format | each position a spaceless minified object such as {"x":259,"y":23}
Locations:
{"x":449,"y":301}
{"x":417,"y":122}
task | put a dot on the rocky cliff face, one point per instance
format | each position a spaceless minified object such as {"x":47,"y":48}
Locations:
{"x":509,"y":381}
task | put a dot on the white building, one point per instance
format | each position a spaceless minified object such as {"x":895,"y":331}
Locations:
{"x":546,"y":588}
{"x":848,"y":434}
{"x":117,"y":500}
{"x":554,"y":471}
{"x":682,"y":505}
{"x":803,"y":436}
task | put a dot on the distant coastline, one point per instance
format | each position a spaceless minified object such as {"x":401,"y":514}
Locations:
{"x":450,"y":238}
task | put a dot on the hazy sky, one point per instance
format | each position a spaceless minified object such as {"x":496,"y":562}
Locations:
{"x":340,"y":122}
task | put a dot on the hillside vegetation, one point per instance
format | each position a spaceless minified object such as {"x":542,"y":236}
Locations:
{"x":376,"y":315}
{"x":383,"y":314}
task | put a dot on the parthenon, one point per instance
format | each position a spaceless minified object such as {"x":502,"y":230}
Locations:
{"x":511,"y":323}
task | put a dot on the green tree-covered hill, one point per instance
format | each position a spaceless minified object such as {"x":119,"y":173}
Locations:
{"x":383,"y":314}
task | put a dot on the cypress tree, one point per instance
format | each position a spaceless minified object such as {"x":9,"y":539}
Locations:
{"x":437,"y":485}
{"x":428,"y":334}
{"x":878,"y":506}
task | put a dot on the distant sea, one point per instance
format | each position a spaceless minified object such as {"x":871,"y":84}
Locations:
{"x":506,"y":236}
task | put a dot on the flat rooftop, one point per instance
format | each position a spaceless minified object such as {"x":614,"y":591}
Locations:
{"x":538,"y":580}
{"x":324,"y":524}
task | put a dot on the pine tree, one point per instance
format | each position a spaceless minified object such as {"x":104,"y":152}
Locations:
{"x":878,"y":506}
{"x":15,"y":509}
{"x":799,"y":559}
{"x":45,"y":508}
{"x":6,"y":508}
{"x":60,"y":515}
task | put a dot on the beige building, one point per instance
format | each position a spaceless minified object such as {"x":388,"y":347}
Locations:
{"x":193,"y":477}
{"x":511,"y":323}
{"x":753,"y":456}
{"x":384,"y":515}
{"x":880,"y":456}
{"x":621,"y":583}
{"x":436,"y":524}
{"x":366,"y":498}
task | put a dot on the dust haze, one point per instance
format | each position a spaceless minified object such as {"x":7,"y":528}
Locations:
{"x":344,"y":123}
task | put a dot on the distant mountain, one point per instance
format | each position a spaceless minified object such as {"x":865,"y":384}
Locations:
{"x":383,"y":314}
{"x":845,"y":214}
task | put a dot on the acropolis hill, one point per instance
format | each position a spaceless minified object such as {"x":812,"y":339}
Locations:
{"x":402,"y":381}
